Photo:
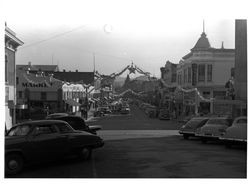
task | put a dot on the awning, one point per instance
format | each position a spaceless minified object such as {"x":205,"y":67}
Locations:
{"x":72,"y":102}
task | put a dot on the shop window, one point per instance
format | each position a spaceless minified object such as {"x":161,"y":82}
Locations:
{"x":209,"y":72}
{"x":201,"y":73}
{"x":43,"y":96}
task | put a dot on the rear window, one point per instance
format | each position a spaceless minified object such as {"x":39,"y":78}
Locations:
{"x":76,"y":123}
{"x":195,"y":123}
{"x":219,"y":122}
{"x":19,"y":130}
{"x":241,"y":121}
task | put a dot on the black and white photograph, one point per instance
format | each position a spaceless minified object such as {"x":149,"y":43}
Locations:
{"x":122,"y":90}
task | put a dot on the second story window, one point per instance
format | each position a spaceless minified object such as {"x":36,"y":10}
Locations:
{"x":17,"y":80}
{"x":185,"y":75}
{"x":232,"y":72}
{"x":20,"y":94}
{"x":201,"y":73}
{"x":209,"y":72}
{"x":189,"y":74}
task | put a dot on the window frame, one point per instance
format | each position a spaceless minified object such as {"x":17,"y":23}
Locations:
{"x":201,"y":69}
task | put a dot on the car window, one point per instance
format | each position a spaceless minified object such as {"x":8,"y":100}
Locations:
{"x":19,"y":130}
{"x":76,"y":123}
{"x":217,"y":121}
{"x":44,"y":129}
{"x":64,"y":128}
{"x":193,"y":123}
{"x":242,"y":120}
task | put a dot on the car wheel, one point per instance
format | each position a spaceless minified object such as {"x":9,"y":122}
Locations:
{"x":13,"y":164}
{"x":185,"y":136}
{"x":203,"y":140}
{"x":85,"y":153}
{"x":228,"y":145}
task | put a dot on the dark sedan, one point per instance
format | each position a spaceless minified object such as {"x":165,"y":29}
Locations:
{"x":45,"y":140}
{"x":76,"y":122}
{"x":192,"y":126}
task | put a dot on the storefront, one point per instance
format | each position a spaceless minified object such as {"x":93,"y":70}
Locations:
{"x":37,"y":95}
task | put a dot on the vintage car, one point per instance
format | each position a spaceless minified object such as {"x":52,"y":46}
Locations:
{"x":76,"y":122}
{"x":237,"y":133}
{"x":164,"y":114}
{"x":101,"y":111}
{"x":125,"y":110}
{"x":192,"y":126}
{"x":45,"y":140}
{"x":214,"y":128}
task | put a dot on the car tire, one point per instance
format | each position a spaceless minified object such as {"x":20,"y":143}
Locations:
{"x":85,"y":153}
{"x":13,"y":164}
{"x":185,"y":136}
{"x":203,"y":140}
{"x":228,"y":145}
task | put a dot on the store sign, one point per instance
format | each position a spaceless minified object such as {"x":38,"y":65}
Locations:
{"x":37,"y":85}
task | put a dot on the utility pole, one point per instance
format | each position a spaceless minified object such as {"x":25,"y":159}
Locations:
{"x":94,"y":61}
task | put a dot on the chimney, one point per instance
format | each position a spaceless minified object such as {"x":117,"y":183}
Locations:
{"x":63,"y":70}
{"x":76,"y":70}
{"x":29,"y":63}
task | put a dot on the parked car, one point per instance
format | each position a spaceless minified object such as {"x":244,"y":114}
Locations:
{"x":104,"y":110}
{"x":237,"y":133}
{"x":125,"y":110}
{"x":164,"y":114}
{"x":192,"y":126}
{"x":45,"y":140}
{"x":214,"y":128}
{"x":77,"y":122}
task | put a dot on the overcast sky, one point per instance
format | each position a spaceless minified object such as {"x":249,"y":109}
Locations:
{"x":147,"y":34}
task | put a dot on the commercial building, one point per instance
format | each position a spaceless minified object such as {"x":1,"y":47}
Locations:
{"x":199,"y":79}
{"x":11,"y":45}
{"x":43,"y":89}
{"x":207,"y":69}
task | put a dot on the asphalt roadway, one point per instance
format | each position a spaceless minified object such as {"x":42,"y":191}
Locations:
{"x":139,"y":147}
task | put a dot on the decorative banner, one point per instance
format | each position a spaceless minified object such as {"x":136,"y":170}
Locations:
{"x":188,"y":91}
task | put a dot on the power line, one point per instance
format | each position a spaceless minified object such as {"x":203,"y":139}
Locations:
{"x":53,"y":37}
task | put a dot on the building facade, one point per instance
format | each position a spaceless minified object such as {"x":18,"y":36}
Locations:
{"x":208,"y":69}
{"x":197,"y":83}
{"x":11,"y":45}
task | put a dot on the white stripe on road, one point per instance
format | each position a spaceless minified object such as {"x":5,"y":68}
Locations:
{"x":128,"y":134}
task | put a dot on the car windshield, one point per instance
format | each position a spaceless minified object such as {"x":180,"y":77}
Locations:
{"x":242,"y":121}
{"x":217,"y":121}
{"x":75,"y":122}
{"x":193,"y":123}
{"x":64,"y":128}
{"x":19,"y":130}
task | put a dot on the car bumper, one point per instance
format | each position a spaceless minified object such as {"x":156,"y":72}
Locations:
{"x":99,"y":144}
{"x":187,"y":133}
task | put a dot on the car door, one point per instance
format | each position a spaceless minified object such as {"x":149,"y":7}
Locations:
{"x":47,"y":143}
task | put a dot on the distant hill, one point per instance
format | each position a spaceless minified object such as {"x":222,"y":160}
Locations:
{"x":141,"y":78}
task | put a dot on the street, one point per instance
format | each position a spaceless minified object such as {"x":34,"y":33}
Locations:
{"x":139,"y":147}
